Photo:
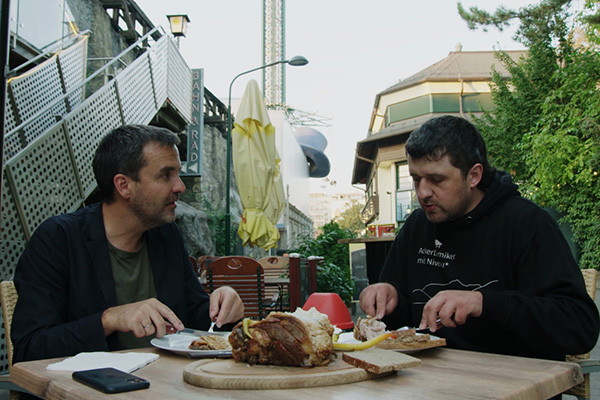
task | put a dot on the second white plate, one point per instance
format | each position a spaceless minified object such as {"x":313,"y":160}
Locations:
{"x":179,"y":344}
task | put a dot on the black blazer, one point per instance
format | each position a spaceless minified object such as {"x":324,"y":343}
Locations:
{"x":64,"y":280}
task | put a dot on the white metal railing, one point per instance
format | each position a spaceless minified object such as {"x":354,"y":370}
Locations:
{"x":57,"y":45}
{"x":47,"y":167}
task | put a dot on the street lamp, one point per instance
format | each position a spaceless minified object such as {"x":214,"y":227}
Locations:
{"x":178,"y":24}
{"x":296,"y":61}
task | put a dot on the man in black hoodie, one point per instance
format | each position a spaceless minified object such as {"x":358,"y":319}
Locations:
{"x":477,"y":263}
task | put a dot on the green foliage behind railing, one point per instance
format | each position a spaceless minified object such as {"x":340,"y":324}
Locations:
{"x":333,"y":275}
{"x":216,"y":223}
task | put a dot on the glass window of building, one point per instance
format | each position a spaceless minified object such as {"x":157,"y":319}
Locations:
{"x":406,"y":197}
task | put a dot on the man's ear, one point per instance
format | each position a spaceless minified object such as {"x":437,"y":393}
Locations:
{"x":475,"y":175}
{"x":121,"y":183}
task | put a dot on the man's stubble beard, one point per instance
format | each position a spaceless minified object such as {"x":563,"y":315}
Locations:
{"x":152,"y":220}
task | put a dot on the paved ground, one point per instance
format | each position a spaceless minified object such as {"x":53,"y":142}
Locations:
{"x":595,"y":382}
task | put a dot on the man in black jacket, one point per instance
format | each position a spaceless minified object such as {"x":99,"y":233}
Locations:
{"x":115,"y":274}
{"x":477,"y":263}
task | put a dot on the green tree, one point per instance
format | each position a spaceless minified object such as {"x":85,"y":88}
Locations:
{"x":544,"y":127}
{"x":350,"y":218}
{"x":216,"y":222}
{"x":333,"y":275}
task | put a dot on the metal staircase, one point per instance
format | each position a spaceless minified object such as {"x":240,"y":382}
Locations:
{"x":52,"y":130}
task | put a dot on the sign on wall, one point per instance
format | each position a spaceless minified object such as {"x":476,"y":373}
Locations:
{"x":193,"y":165}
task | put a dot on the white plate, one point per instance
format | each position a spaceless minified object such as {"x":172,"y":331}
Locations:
{"x":348,"y":337}
{"x":179,"y":344}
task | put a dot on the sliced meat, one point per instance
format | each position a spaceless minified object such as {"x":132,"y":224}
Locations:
{"x":369,"y":328}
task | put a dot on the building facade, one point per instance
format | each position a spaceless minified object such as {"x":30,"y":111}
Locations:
{"x":457,"y":85}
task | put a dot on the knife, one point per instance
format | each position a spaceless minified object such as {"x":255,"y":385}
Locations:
{"x":195,"y":332}
{"x":426,"y":329}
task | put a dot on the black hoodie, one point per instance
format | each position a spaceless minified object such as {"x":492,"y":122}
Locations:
{"x":512,"y":251}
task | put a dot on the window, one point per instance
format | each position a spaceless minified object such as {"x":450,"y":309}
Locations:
{"x":406,"y":197}
{"x":437,"y":103}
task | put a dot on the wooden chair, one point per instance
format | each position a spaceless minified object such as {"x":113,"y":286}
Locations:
{"x":582,"y":391}
{"x":201,"y":264}
{"x":276,"y":267}
{"x":245,"y":275}
{"x":8,"y":300}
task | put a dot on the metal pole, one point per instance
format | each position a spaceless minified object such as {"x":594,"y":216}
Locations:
{"x":4,"y":49}
{"x":228,"y":179}
{"x":228,"y":159}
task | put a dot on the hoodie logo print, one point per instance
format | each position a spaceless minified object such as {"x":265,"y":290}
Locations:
{"x":435,"y":257}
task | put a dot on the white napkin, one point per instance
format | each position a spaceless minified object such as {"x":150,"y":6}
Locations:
{"x":126,"y":362}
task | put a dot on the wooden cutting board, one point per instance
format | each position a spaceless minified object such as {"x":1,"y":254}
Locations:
{"x":228,"y":374}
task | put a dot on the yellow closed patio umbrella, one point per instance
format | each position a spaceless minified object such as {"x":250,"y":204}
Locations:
{"x":256,"y":166}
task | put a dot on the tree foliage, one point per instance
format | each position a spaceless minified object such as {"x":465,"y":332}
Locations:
{"x":350,"y":218}
{"x":544,"y":127}
{"x":333,"y":275}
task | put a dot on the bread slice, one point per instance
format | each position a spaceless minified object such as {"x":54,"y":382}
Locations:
{"x":380,"y":361}
{"x":416,"y":345}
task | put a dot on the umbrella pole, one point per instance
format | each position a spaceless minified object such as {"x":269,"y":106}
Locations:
{"x":228,"y":161}
{"x":296,"y":61}
{"x":228,"y":179}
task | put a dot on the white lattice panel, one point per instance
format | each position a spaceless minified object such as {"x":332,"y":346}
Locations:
{"x":44,"y":180}
{"x":72,"y":64}
{"x":12,"y":143}
{"x":12,"y":235}
{"x":10,"y":122}
{"x":34,"y":92}
{"x":159,"y":54}
{"x":95,"y":118}
{"x":179,"y":89}
{"x":135,"y":92}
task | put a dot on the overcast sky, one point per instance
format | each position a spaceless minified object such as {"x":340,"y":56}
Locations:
{"x":356,"y":49}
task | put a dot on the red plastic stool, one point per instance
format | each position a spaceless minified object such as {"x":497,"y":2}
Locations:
{"x":333,"y":306}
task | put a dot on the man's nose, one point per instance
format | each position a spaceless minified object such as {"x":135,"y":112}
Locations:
{"x":179,"y":186}
{"x":423,"y":190}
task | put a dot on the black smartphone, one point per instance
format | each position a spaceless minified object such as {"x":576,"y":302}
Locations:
{"x":110,"y":380}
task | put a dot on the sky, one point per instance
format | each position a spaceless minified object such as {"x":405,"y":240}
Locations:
{"x":355,"y":48}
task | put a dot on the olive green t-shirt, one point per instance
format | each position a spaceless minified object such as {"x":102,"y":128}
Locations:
{"x":134,"y":282}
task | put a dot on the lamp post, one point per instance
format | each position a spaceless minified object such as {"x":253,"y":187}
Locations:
{"x":178,"y":24}
{"x":296,"y":61}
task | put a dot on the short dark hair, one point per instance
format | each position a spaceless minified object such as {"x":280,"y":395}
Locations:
{"x":121,"y":152}
{"x":455,"y":137}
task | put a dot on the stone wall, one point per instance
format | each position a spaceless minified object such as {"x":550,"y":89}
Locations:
{"x":104,"y":41}
{"x":214,"y":174}
{"x":206,"y":195}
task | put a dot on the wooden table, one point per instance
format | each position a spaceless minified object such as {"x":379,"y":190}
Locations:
{"x":444,"y":374}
